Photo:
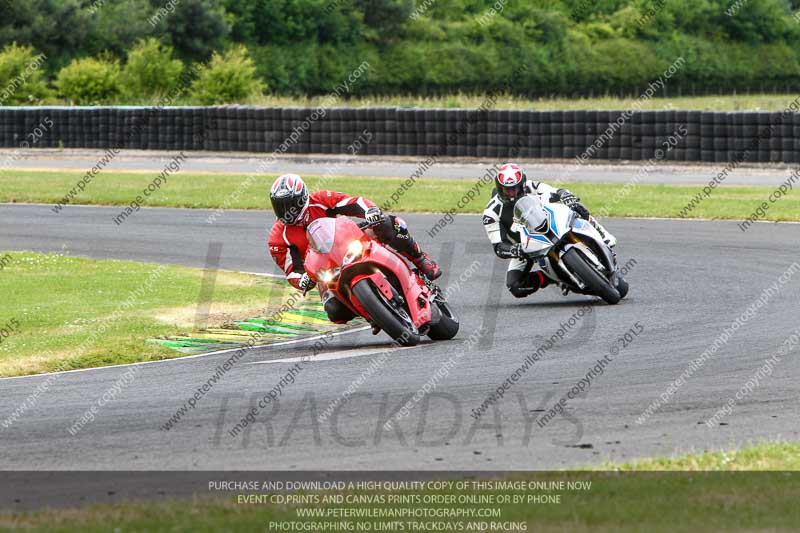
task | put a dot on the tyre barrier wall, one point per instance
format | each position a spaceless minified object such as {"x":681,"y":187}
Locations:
{"x":641,"y":135}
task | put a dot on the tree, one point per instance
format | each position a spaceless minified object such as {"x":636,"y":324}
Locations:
{"x":58,"y":28}
{"x":90,"y":81}
{"x":150,"y":70}
{"x":228,"y":78}
{"x":22,"y":78}
{"x":195,"y":29}
{"x":117,"y":25}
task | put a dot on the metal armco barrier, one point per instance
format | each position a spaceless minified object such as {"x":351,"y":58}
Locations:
{"x":709,"y":136}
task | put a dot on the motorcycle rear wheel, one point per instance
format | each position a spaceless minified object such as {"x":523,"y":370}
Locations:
{"x":396,"y":324}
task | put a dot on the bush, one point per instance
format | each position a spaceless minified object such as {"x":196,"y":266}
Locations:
{"x":21,"y":76}
{"x":89,"y":81}
{"x":150,"y":71}
{"x":227,"y":78}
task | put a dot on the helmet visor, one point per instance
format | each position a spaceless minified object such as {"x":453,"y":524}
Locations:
{"x":510,"y":194}
{"x":289,"y":208}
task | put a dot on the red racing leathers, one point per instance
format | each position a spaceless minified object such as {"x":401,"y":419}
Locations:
{"x":288,"y":243}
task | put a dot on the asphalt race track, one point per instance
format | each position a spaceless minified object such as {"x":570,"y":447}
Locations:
{"x":690,"y":280}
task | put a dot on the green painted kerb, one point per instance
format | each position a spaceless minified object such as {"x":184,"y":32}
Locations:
{"x":306,"y":320}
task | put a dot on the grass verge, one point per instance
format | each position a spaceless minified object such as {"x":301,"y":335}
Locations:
{"x":728,"y":102}
{"x":631,"y":500}
{"x":426,"y":195}
{"x":773,"y":456}
{"x":79,"y":313}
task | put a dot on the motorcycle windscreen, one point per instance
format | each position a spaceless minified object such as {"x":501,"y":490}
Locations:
{"x":529,"y":212}
{"x":321,"y":234}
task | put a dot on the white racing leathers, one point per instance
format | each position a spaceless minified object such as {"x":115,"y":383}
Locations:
{"x":524,"y":276}
{"x":498,"y":221}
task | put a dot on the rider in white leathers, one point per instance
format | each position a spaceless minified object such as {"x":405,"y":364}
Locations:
{"x":525,"y":276}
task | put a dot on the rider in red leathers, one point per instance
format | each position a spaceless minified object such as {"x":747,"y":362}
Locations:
{"x":295,"y":209}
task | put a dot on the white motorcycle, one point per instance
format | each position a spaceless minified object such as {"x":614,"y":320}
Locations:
{"x":569,"y":250}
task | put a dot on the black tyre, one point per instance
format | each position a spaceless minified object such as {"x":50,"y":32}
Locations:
{"x":448,"y":325}
{"x":622,"y":286}
{"x":595,"y":282}
{"x":395,"y":322}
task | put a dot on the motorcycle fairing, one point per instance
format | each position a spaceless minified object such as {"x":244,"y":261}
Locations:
{"x":376,"y":263}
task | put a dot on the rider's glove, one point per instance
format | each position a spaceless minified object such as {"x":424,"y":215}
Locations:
{"x":373,"y":215}
{"x":516,"y":251}
{"x":571,"y":201}
{"x":566,"y":197}
{"x":305,"y":283}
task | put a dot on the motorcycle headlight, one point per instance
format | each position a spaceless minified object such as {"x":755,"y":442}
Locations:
{"x":327,"y":276}
{"x":354,"y":251}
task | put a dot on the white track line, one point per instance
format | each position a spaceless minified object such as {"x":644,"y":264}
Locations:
{"x":332,"y":356}
{"x":197,"y":356}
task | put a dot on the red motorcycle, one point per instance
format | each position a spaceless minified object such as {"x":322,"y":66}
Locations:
{"x":376,"y":283}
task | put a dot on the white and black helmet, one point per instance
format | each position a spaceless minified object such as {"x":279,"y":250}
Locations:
{"x":289,"y":197}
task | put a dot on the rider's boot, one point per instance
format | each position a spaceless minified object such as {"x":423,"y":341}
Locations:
{"x":423,"y":262}
{"x":395,"y":233}
{"x":608,"y":238}
{"x":543,"y":280}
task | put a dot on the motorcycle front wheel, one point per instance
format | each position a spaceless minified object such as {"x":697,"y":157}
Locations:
{"x":396,"y":322}
{"x":595,"y":282}
{"x":447,"y":327}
